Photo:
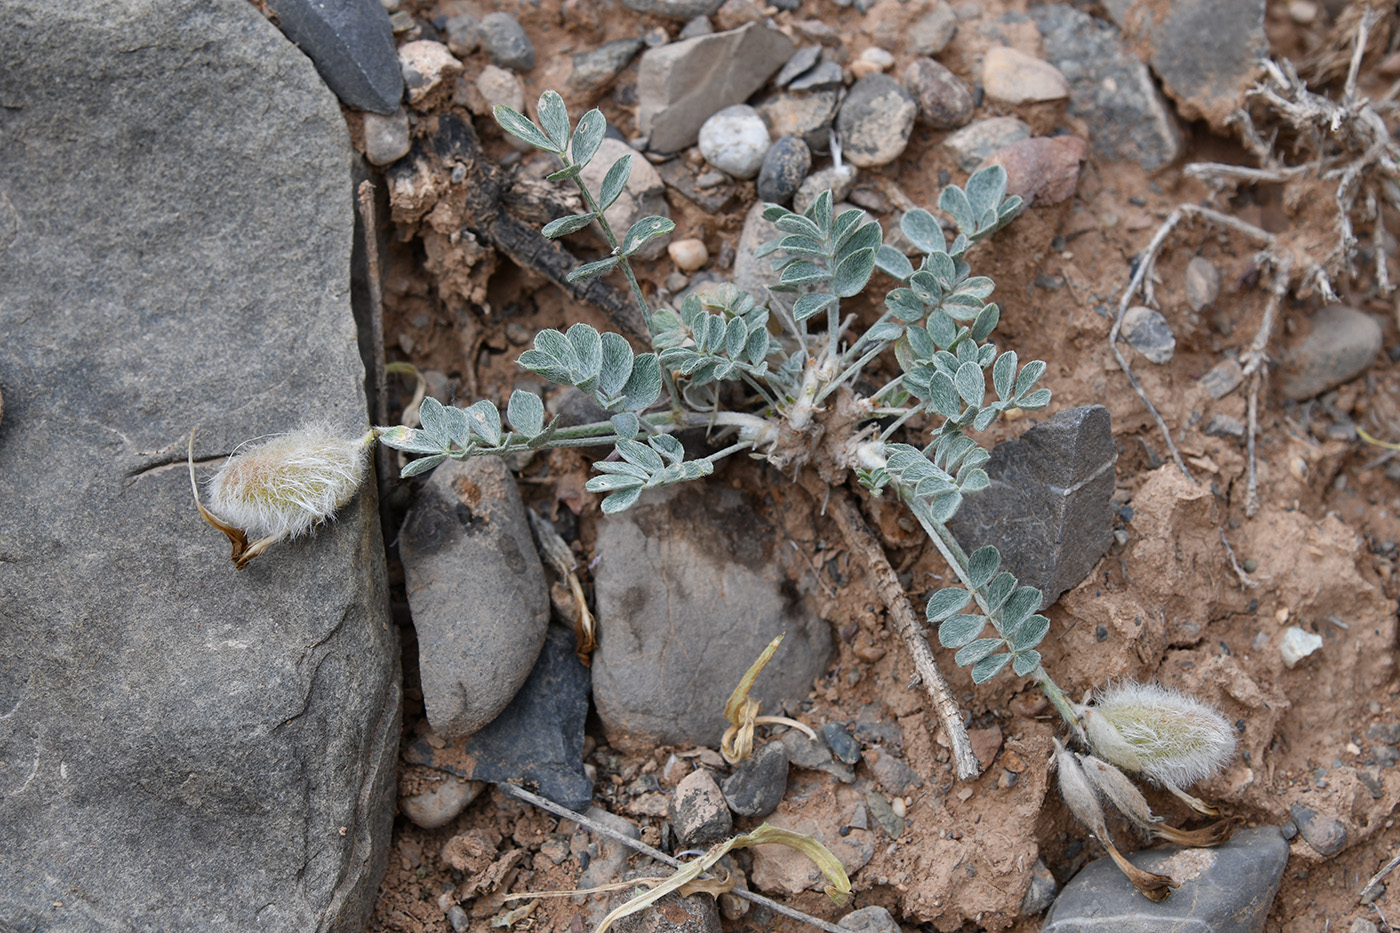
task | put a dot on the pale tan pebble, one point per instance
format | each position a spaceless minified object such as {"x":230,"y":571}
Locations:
{"x":689,"y":254}
{"x":861,"y":67}
{"x":1014,"y":77}
{"x":878,"y":57}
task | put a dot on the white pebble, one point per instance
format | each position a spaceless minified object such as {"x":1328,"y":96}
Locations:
{"x":689,"y":254}
{"x":735,"y":140}
{"x":1297,"y":644}
{"x":878,"y":57}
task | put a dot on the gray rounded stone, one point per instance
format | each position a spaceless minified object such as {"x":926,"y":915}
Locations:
{"x":735,"y":140}
{"x":386,"y":137}
{"x":679,"y":10}
{"x":944,"y":101}
{"x":976,"y":141}
{"x":476,"y":591}
{"x":1202,"y":283}
{"x":931,"y":33}
{"x":784,"y":168}
{"x":1342,"y":345}
{"x":442,"y":804}
{"x":875,"y":120}
{"x":507,"y":42}
{"x":869,"y":920}
{"x":1326,"y":834}
{"x":843,"y":745}
{"x":698,"y":812}
{"x":1148,"y":332}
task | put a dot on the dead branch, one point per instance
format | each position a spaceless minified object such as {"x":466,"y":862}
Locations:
{"x":906,"y":623}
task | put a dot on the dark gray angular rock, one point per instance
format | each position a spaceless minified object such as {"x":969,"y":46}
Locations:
{"x":784,"y":168}
{"x":690,"y":591}
{"x":1223,"y":890}
{"x":808,"y":116}
{"x":182,"y":746}
{"x":595,"y":69}
{"x":1342,"y":344}
{"x":1205,"y":51}
{"x":825,"y":75}
{"x":352,"y":46}
{"x":537,"y":740}
{"x":875,"y":120}
{"x":814,"y":755}
{"x":681,"y":84}
{"x":803,"y":59}
{"x":698,"y":812}
{"x":843,"y":745}
{"x":477,"y":593}
{"x":1041,"y":892}
{"x":1047,"y":509}
{"x":757,"y":787}
{"x":1325,"y":834}
{"x":1110,"y":89}
{"x":507,"y":42}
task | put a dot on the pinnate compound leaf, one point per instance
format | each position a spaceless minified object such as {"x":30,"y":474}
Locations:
{"x":410,"y":440}
{"x":644,"y":231}
{"x":614,"y":182}
{"x":986,"y":188}
{"x":590,"y":270}
{"x":977,"y":650}
{"x":554,"y":118}
{"x":525,"y":412}
{"x":853,"y":272}
{"x":1025,"y":662}
{"x":987,"y":668}
{"x":946,"y":602}
{"x":893,"y":263}
{"x":588,"y":136}
{"x":422,"y":465}
{"x":520,"y":126}
{"x":983,"y":565}
{"x":1029,"y":633}
{"x":565,"y":225}
{"x":959,"y":631}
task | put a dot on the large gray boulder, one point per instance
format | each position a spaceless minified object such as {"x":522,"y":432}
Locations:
{"x":182,"y":746}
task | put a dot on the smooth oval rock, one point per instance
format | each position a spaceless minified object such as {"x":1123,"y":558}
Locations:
{"x":1202,"y":283}
{"x":442,"y":804}
{"x":499,"y":86}
{"x":476,"y":591}
{"x":507,"y":42}
{"x":874,"y":919}
{"x":1148,"y":332}
{"x":1043,"y":169}
{"x":688,"y":254}
{"x":386,"y":137}
{"x":1013,"y":77}
{"x":784,"y":168}
{"x":735,"y":140}
{"x":1326,"y":834}
{"x":980,"y":140}
{"x":875,"y":121}
{"x":944,"y":101}
{"x":931,"y":32}
{"x":1343,"y":344}
{"x":1228,"y":889}
{"x":757,"y":787}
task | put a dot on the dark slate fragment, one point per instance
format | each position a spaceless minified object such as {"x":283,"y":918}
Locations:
{"x":843,"y":745}
{"x":1223,"y":890}
{"x":757,"y":787}
{"x":1047,"y":509}
{"x":537,"y":740}
{"x":784,"y":168}
{"x":803,"y":59}
{"x":352,"y":46}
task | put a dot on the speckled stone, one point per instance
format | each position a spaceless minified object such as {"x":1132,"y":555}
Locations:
{"x":944,"y":101}
{"x":507,"y":42}
{"x":735,"y":140}
{"x":976,"y":141}
{"x":386,"y":137}
{"x":931,"y":33}
{"x":875,"y":120}
{"x":1148,"y":332}
{"x":784,"y":169}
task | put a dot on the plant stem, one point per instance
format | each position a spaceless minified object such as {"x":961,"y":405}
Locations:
{"x":850,"y":371}
{"x":898,"y":423}
{"x":731,"y":449}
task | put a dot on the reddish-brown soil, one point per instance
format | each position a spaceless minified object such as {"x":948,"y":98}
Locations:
{"x":1165,"y":605}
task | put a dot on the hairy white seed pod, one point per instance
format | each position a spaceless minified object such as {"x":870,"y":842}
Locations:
{"x":1164,"y":734}
{"x":1120,"y":791}
{"x":1078,"y":793}
{"x":282,"y":487}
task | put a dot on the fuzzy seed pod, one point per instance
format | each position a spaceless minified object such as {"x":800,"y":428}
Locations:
{"x":1164,"y":734}
{"x":283,"y":487}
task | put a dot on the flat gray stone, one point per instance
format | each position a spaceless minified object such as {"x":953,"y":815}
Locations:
{"x":802,"y":60}
{"x":689,"y":592}
{"x":352,"y":46}
{"x":595,"y":69}
{"x":1326,"y":834}
{"x":1148,"y":332}
{"x":1341,"y":346}
{"x":681,"y":84}
{"x":757,"y":786}
{"x":477,"y":593}
{"x":1110,"y":89}
{"x":679,"y":10}
{"x":1047,"y":509}
{"x":1223,"y":890}
{"x":1205,"y":51}
{"x":182,"y":746}
{"x":979,"y":140}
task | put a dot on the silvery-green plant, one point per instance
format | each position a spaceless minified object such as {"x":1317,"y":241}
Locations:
{"x":811,"y":396}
